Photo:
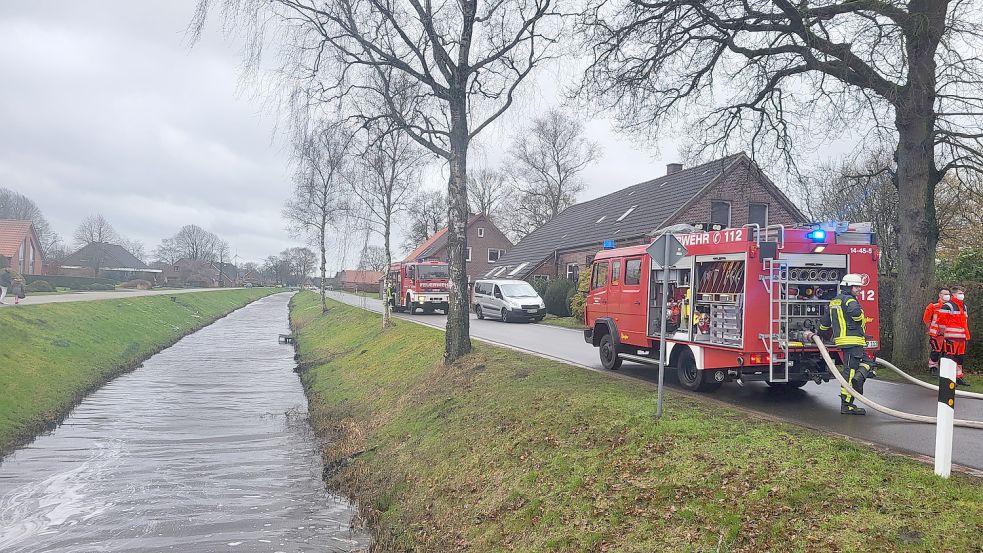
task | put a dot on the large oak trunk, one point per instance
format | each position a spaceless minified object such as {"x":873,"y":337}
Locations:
{"x":458,"y":335}
{"x":916,"y":179}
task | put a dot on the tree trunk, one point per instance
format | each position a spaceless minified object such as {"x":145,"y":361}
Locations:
{"x":458,"y":335}
{"x":916,"y":179}
{"x":387,"y":314}
{"x":324,"y":262}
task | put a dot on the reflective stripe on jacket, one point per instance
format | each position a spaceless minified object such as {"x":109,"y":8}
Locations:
{"x":846,"y":318}
{"x":953,"y":321}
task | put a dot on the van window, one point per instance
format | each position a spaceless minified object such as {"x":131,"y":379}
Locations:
{"x":519,"y":290}
{"x":633,"y":271}
{"x":600,"y":276}
{"x":615,"y":273}
{"x":498,"y":292}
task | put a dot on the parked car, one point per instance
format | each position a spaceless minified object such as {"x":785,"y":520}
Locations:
{"x":508,"y":300}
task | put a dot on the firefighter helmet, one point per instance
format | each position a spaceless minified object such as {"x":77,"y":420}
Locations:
{"x":852,"y":279}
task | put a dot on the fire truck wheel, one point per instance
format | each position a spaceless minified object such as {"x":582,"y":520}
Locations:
{"x":609,"y":353}
{"x":477,"y":311}
{"x":692,"y":378}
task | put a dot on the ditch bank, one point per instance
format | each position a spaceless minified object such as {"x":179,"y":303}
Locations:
{"x":53,"y":355}
{"x":507,"y":451}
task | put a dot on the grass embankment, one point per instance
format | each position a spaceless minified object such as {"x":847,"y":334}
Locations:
{"x":564,"y":322}
{"x":52,"y":355}
{"x":506,"y":451}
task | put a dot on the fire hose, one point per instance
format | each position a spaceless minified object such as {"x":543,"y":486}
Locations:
{"x":923,"y":384}
{"x":876,"y":406}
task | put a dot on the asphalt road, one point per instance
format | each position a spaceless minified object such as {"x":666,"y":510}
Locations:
{"x":96,"y":296}
{"x":814,"y":406}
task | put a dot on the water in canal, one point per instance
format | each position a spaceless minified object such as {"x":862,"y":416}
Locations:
{"x":204,"y":448}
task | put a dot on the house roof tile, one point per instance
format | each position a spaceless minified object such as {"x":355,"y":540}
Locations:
{"x":109,"y":256}
{"x":12,"y":233}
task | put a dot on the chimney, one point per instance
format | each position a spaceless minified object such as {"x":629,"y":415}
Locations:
{"x":673,"y":168}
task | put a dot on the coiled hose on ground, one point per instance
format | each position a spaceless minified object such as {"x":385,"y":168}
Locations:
{"x":878,"y":407}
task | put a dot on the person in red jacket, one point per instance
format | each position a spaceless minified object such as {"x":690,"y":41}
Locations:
{"x":935,"y":342}
{"x":952,"y":324}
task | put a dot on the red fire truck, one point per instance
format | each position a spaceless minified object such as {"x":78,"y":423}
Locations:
{"x":419,"y":285}
{"x":738,"y":303}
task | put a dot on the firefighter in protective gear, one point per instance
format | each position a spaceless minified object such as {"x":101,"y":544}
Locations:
{"x":952,"y":324}
{"x":935,"y":341}
{"x":846,"y":321}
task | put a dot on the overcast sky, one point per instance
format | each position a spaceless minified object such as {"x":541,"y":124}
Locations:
{"x":106,"y":109}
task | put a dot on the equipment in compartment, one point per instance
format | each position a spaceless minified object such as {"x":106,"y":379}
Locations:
{"x":808,"y":295}
{"x":720,"y":302}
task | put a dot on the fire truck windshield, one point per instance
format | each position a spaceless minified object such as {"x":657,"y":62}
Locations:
{"x":519,"y":290}
{"x":431,"y":272}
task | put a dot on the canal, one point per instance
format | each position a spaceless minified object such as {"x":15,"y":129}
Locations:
{"x":205,"y":447}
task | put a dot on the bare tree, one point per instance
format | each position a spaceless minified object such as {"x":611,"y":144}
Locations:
{"x":135,"y":247}
{"x":775,"y":73}
{"x":222,"y":254}
{"x":382,"y":181}
{"x":546,"y":162}
{"x":440,"y":73}
{"x":319,"y":189}
{"x":167,"y":252}
{"x":195,"y":243}
{"x":95,"y":228}
{"x":14,"y":205}
{"x":427,"y":214}
{"x":487,"y":190}
{"x":373,"y":259}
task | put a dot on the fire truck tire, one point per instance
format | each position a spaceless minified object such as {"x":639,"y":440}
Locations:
{"x":691,"y":377}
{"x":478,"y":313}
{"x":609,"y":353}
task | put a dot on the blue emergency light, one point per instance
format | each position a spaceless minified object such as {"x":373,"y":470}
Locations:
{"x":817,"y":235}
{"x":609,"y":244}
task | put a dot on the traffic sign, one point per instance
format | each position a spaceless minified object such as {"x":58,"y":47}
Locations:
{"x":664,"y":253}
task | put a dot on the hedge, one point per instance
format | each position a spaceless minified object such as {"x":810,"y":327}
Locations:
{"x":75,"y":283}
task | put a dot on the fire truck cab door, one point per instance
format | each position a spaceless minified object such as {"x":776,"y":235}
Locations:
{"x":597,"y":300}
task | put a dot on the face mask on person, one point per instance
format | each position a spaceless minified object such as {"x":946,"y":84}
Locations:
{"x":960,"y":296}
{"x":946,"y":297}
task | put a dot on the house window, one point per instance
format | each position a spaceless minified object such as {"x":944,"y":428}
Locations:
{"x":573,"y":271}
{"x":758,"y":214}
{"x":469,"y":254}
{"x":481,"y":232}
{"x":515,"y":271}
{"x":720,"y":213}
{"x":494,"y":254}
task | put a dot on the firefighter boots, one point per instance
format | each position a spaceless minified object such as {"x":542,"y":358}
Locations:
{"x":851,"y":409}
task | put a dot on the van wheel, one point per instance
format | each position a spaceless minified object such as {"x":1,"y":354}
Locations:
{"x":505,"y":316}
{"x":477,"y":311}
{"x":609,"y":353}
{"x":692,"y":378}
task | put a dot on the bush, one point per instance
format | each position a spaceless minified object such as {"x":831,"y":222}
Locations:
{"x":40,"y":286}
{"x":579,"y":299}
{"x":557,"y":297}
{"x":74,"y":283}
{"x":540,"y":285}
{"x":100,"y":287}
{"x":137,"y":284}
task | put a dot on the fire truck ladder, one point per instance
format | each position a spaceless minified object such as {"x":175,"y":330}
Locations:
{"x":775,"y":280}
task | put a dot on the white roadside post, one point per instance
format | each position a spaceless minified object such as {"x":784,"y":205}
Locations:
{"x":945,"y":416}
{"x":665,"y":251}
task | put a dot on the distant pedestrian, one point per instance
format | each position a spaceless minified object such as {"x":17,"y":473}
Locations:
{"x":5,"y":281}
{"x":935,"y":341}
{"x":952,"y":324}
{"x":18,"y":289}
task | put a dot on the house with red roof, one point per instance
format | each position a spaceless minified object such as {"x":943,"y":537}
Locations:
{"x":486,"y":244}
{"x":20,"y":248}
{"x":359,"y":281}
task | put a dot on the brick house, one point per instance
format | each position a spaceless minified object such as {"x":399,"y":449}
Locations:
{"x":20,"y":248}
{"x":356,"y":280}
{"x":486,"y":244}
{"x":731,"y":191}
{"x":112,"y":261}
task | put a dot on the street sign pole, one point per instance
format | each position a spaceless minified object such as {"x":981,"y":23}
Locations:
{"x":662,"y":333}
{"x":666,"y":250}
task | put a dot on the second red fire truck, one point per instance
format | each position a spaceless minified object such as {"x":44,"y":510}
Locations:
{"x":419,"y":285}
{"x":738,"y":304}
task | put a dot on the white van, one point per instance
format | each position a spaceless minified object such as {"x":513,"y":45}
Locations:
{"x":508,"y":300}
